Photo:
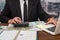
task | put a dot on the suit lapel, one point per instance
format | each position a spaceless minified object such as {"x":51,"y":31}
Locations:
{"x":18,"y":8}
{"x":29,"y":8}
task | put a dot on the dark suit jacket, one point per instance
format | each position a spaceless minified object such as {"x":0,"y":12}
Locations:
{"x":12,"y":9}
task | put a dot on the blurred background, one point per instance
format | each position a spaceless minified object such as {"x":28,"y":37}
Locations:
{"x":52,"y":7}
{"x":2,"y":3}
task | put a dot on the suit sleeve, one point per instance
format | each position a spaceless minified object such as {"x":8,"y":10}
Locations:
{"x":41,"y":13}
{"x":5,"y":14}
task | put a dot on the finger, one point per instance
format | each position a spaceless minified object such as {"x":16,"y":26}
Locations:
{"x":48,"y":22}
{"x":55,"y":23}
{"x":18,"y":21}
{"x":13,"y":21}
{"x":52,"y":22}
{"x":17,"y":18}
{"x":10,"y":21}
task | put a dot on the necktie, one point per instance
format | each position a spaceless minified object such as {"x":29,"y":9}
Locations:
{"x":25,"y":11}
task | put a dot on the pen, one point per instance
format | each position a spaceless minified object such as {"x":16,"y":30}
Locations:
{"x":1,"y":32}
{"x":0,"y":27}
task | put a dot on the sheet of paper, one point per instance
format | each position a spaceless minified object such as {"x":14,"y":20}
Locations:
{"x":3,"y":27}
{"x":33,"y":25}
{"x":45,"y":26}
{"x":35,"y":29}
{"x":8,"y":35}
{"x":27,"y":35}
{"x":0,"y":30}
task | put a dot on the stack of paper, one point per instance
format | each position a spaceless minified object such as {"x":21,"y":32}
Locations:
{"x":27,"y":35}
{"x":8,"y":35}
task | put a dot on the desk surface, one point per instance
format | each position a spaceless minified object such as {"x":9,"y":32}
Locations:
{"x":43,"y":35}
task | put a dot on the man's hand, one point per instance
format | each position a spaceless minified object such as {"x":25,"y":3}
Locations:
{"x":15,"y":20}
{"x":52,"y":21}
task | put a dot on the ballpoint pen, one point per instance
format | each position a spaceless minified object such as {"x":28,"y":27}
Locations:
{"x":0,"y":27}
{"x":1,"y":32}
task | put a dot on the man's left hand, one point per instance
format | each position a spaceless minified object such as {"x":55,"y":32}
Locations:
{"x":52,"y":21}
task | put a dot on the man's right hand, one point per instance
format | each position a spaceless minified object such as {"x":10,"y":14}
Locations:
{"x":15,"y":20}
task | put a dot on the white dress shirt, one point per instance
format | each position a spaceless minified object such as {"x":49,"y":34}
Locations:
{"x":22,"y":8}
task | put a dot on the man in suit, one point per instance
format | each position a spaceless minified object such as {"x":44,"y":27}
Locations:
{"x":13,"y":12}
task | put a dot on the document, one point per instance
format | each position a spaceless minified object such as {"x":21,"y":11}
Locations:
{"x":34,"y":27}
{"x":27,"y":35}
{"x":44,"y":25}
{"x":8,"y":35}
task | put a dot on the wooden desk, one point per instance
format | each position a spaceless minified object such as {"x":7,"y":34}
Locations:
{"x":43,"y":35}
